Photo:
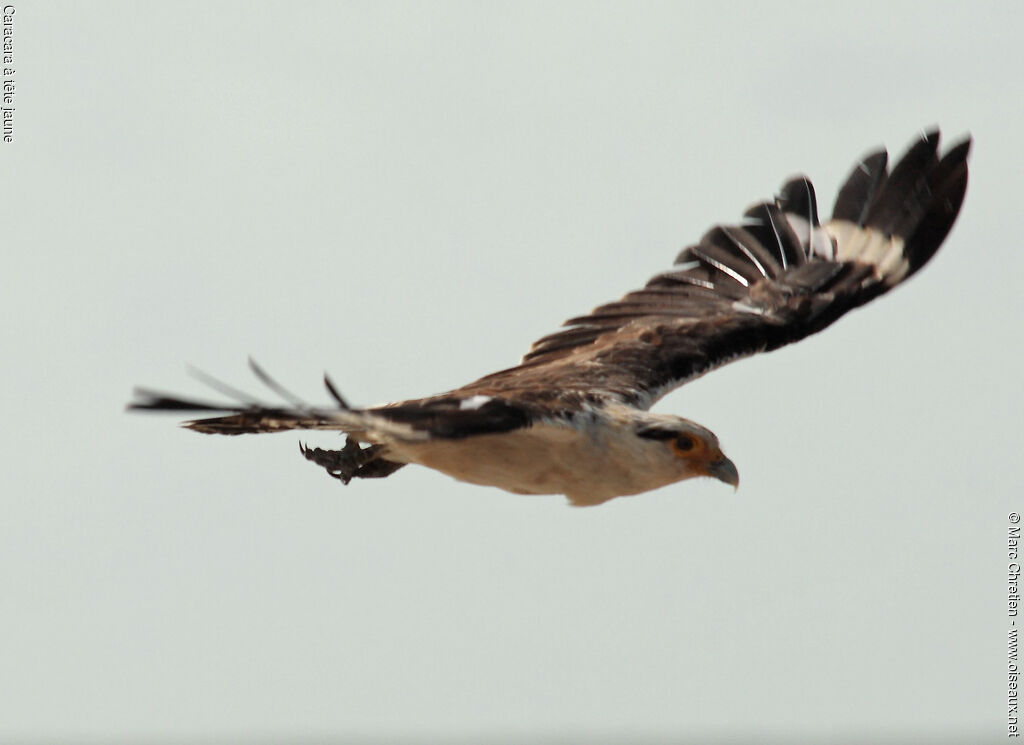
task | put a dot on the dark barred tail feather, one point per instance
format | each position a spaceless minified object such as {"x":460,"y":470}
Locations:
{"x":250,"y":415}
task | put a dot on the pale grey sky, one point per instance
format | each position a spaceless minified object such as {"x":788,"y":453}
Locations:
{"x":407,"y":195}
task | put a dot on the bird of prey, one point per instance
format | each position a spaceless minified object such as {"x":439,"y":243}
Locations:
{"x":573,"y":417}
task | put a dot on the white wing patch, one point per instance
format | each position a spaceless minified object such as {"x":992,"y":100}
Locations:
{"x":473,"y":402}
{"x":885,"y":252}
{"x":745,"y":308}
{"x":819,"y":241}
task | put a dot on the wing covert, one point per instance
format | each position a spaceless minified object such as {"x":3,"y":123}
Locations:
{"x":776,"y":277}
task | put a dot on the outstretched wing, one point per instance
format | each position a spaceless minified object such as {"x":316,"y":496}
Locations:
{"x":753,"y":287}
{"x":771,"y":280}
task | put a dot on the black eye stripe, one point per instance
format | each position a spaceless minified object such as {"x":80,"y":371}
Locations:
{"x":654,"y":433}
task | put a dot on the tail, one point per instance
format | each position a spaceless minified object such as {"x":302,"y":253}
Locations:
{"x":250,"y":416}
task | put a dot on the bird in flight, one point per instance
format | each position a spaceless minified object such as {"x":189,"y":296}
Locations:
{"x":573,"y":417}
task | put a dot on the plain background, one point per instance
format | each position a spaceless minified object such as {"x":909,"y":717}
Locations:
{"x":407,"y":195}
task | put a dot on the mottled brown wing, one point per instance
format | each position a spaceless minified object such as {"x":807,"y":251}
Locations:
{"x":773,"y":279}
{"x":753,"y":287}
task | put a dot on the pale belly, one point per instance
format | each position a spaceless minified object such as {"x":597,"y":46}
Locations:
{"x":544,"y":459}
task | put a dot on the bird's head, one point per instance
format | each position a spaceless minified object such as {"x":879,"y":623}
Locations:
{"x":690,"y":447}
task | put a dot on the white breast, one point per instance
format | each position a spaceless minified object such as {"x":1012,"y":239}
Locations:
{"x":590,"y":465}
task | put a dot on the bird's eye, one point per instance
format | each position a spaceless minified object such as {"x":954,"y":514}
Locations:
{"x":684,"y":444}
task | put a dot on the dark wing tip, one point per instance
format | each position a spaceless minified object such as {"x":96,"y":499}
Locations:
{"x":931,"y":135}
{"x":797,"y":196}
{"x":856,"y":195}
{"x":918,"y":201}
{"x":947,"y":185}
{"x":898,"y":208}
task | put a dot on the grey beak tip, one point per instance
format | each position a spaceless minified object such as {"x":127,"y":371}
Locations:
{"x":725,"y":470}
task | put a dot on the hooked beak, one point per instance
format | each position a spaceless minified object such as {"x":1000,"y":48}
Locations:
{"x":724,"y":469}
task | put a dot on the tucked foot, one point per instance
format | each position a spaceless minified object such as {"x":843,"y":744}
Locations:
{"x":341,"y":464}
{"x":352,"y":461}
